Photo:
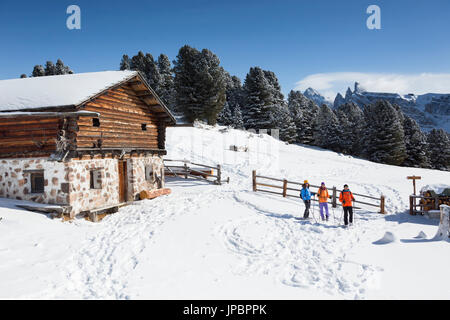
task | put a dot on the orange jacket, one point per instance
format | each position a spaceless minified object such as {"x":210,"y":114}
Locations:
{"x":346,"y":197}
{"x":323,"y":195}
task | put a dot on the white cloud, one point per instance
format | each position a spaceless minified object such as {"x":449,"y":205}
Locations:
{"x":329,"y":84}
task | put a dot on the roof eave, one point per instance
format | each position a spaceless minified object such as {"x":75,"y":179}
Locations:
{"x":174,"y":121}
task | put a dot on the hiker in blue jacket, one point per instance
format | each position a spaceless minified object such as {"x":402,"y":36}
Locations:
{"x":306,"y":195}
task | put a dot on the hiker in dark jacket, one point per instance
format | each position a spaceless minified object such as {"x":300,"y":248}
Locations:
{"x":306,"y":195}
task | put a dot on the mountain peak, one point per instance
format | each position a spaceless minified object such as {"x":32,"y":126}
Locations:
{"x":311,"y":91}
{"x":315,"y":96}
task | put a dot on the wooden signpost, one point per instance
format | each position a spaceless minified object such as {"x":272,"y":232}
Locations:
{"x":414,"y":178}
{"x":412,"y":200}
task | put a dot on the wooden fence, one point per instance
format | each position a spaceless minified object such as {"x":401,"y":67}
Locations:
{"x":287,"y":186}
{"x":183,"y":169}
{"x":426,"y":203}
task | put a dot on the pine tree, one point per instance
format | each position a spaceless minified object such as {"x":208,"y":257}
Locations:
{"x":50,"y":69}
{"x":125,"y":63}
{"x":384,"y":137}
{"x":352,"y":122}
{"x":346,"y":139}
{"x":184,"y":83}
{"x":199,"y":84}
{"x":304,"y":112}
{"x":38,"y":71}
{"x":416,"y":145}
{"x":288,"y":130}
{"x":235,"y":94}
{"x":166,"y":86}
{"x":439,"y":149}
{"x":138,"y":63}
{"x":327,"y":130}
{"x":61,"y":68}
{"x":146,"y":65}
{"x":225,"y":117}
{"x":23,"y":76}
{"x":238,"y":121}
{"x":212,"y":88}
{"x":152,"y":73}
{"x":260,"y":110}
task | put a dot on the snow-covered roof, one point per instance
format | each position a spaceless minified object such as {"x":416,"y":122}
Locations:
{"x":57,"y":91}
{"x":15,"y":114}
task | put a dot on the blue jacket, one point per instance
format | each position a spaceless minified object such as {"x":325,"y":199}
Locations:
{"x":305,"y":194}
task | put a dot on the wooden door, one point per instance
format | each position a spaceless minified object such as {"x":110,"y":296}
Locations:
{"x":122,"y":181}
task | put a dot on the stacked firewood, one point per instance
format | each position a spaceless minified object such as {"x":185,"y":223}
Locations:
{"x":429,"y":199}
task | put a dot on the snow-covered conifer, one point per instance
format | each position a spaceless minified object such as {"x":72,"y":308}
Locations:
{"x":125,"y":63}
{"x":384,"y":136}
{"x":38,"y":71}
{"x":439,"y":149}
{"x":416,"y":145}
{"x":327,"y":130}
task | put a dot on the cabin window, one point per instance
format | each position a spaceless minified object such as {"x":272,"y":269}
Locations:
{"x":96,"y":179}
{"x":149,"y":173}
{"x":37,"y":182}
{"x":144,"y":127}
{"x":96,"y":122}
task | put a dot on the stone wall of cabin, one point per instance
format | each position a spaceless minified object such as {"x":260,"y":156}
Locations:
{"x":15,"y":180}
{"x":137,"y":178}
{"x":82,"y":197}
{"x":68,"y":183}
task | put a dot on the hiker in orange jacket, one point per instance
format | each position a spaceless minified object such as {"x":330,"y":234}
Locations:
{"x":323,"y":201}
{"x":346,"y":197}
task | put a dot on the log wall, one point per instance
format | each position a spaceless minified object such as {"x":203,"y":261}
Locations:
{"x":122,"y":114}
{"x":28,"y":135}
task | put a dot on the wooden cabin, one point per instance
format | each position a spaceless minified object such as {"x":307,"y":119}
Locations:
{"x":84,"y":142}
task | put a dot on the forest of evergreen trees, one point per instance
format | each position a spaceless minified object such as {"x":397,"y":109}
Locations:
{"x":197,"y":87}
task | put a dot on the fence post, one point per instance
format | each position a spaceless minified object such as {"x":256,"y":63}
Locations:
{"x":334,"y":201}
{"x":411,"y":205}
{"x":219,"y":174}
{"x":185,"y":171}
{"x":254,"y":180}
{"x":382,"y":205}
{"x":284,"y":188}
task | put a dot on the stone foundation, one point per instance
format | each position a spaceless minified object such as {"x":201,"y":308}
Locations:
{"x":82,"y":197}
{"x":15,"y":180}
{"x":136,"y":175}
{"x":69,"y":183}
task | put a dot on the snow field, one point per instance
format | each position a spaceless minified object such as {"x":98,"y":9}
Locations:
{"x":222,"y":242}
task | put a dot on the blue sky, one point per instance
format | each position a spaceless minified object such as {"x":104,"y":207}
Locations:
{"x":296,"y":39}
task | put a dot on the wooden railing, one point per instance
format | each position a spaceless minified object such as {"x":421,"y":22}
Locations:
{"x":184,"y":170}
{"x":285,"y":186}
